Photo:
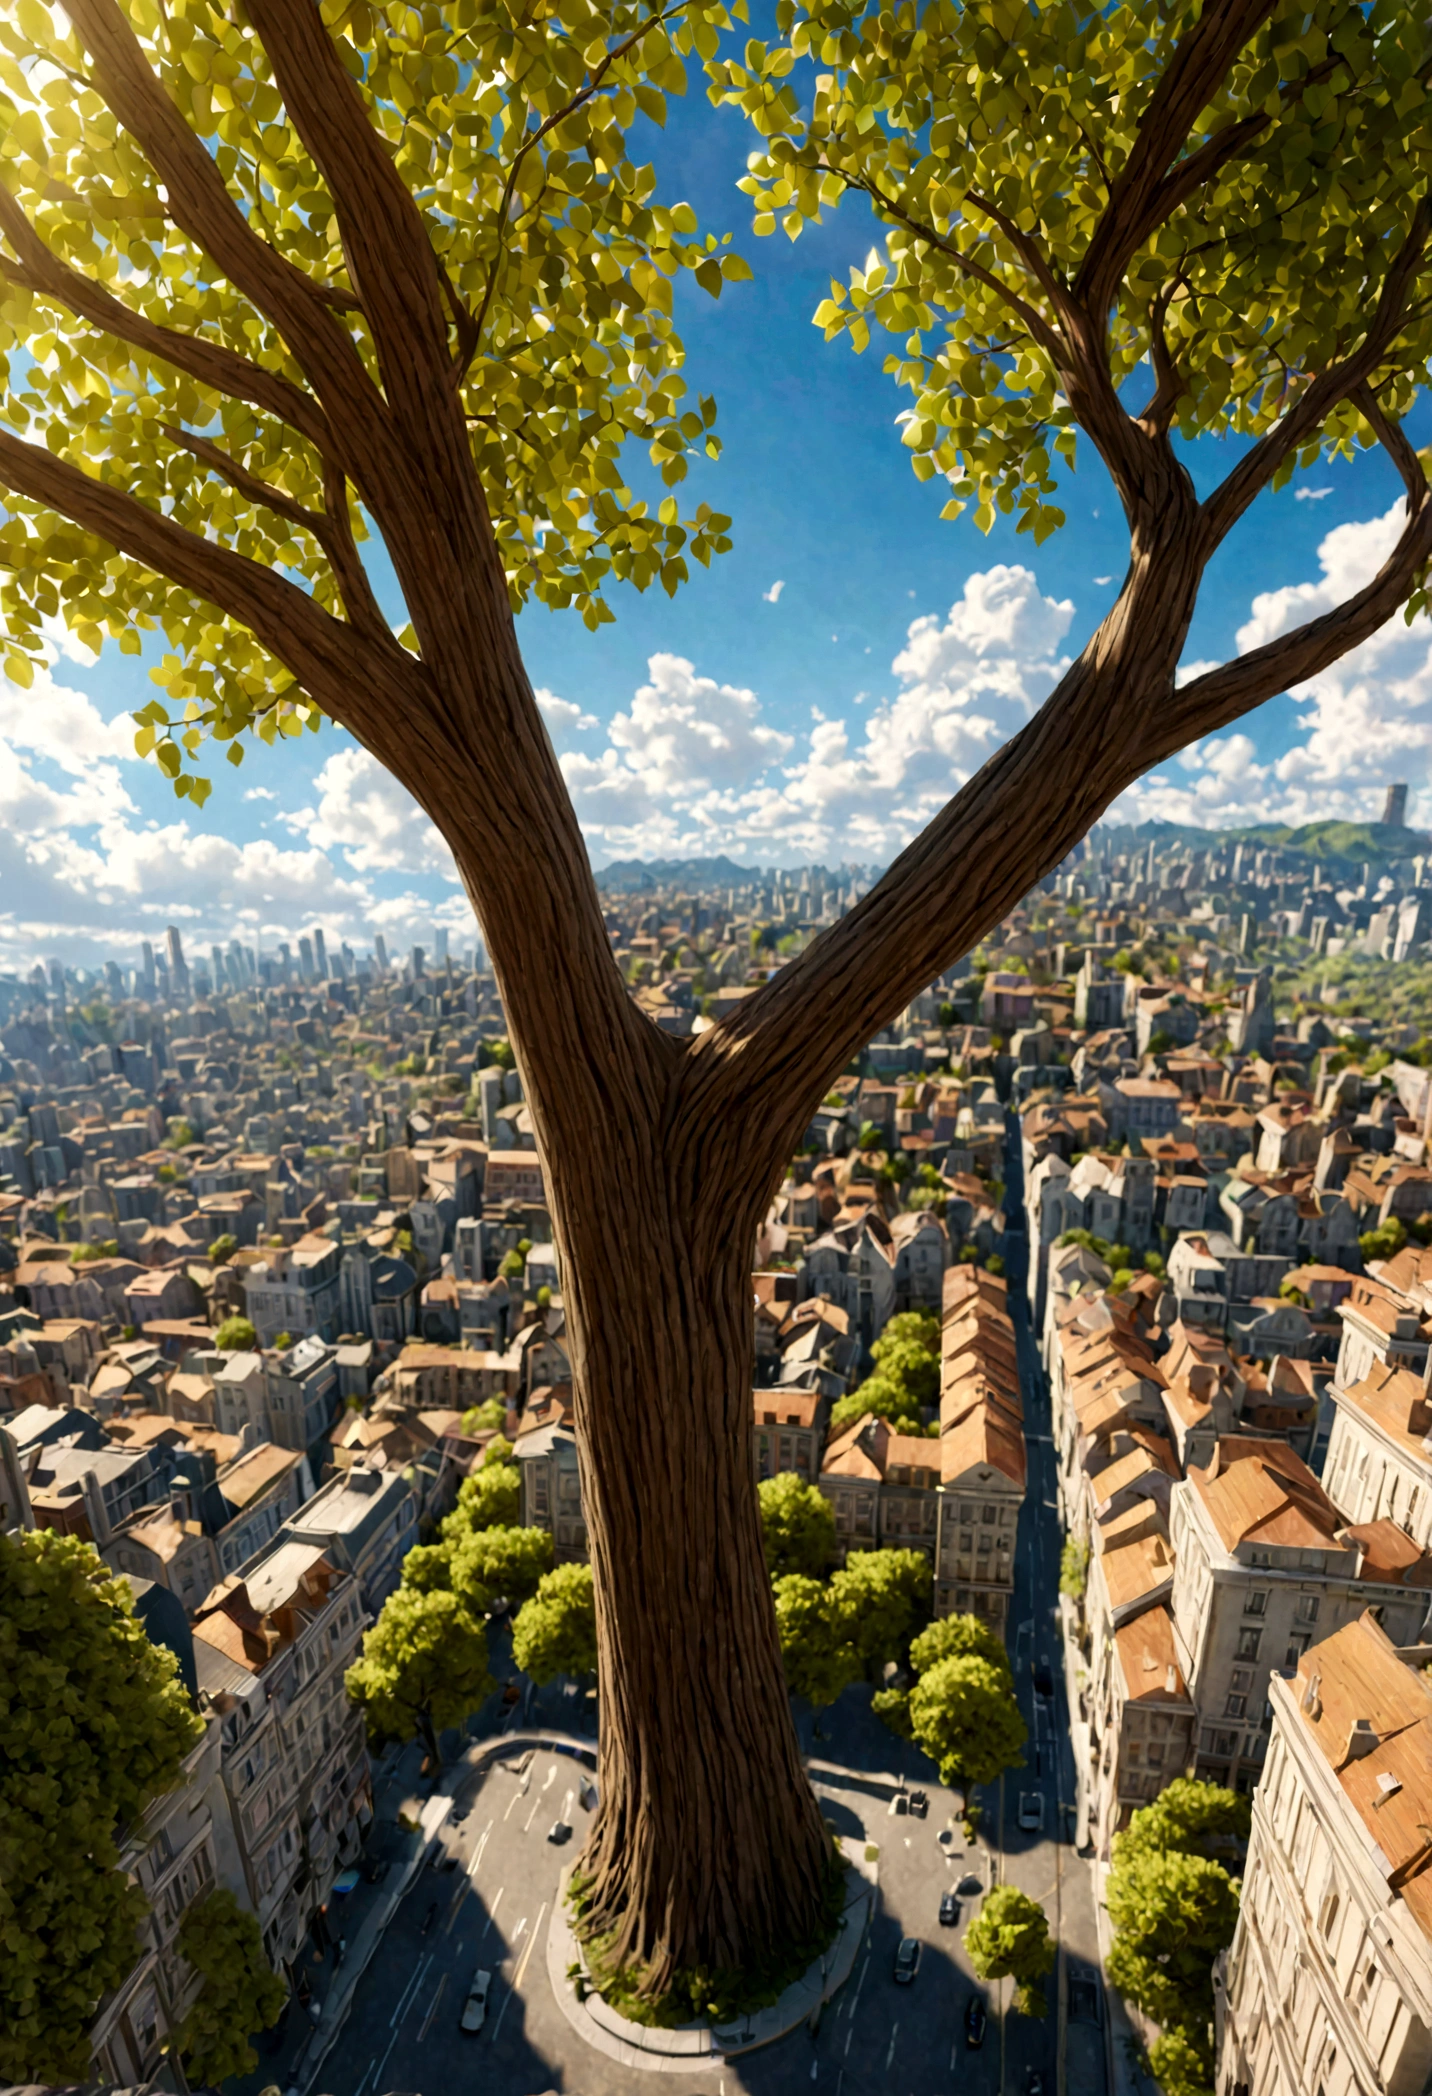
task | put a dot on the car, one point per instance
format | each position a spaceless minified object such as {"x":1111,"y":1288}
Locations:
{"x":474,"y":2009}
{"x":976,"y":2022}
{"x":559,"y":1832}
{"x":971,"y":1884}
{"x":1031,"y":1811}
{"x":949,"y":1910}
{"x":919,"y":1803}
{"x":900,"y":1802}
{"x":1043,"y":1679}
{"x":1034,"y":2083}
{"x":907,"y":1960}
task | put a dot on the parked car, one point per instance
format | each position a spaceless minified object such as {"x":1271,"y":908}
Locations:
{"x":559,"y":1832}
{"x":907,"y":1960}
{"x":1043,"y":1679}
{"x":474,"y":2009}
{"x":976,"y":2021}
{"x":428,"y":1919}
{"x":1031,"y":1811}
{"x":919,"y":1803}
{"x":949,"y":1910}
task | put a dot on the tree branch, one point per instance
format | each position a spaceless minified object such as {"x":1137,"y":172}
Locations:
{"x":1157,"y":417}
{"x":201,"y":206}
{"x":352,"y":680}
{"x":1393,"y":439}
{"x":330,"y":526}
{"x":1210,"y":702}
{"x":210,"y":363}
{"x":1030,"y":318}
{"x":1257,"y":467}
{"x":1138,"y":201}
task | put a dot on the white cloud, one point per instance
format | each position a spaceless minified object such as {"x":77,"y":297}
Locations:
{"x":773,"y":594}
{"x":1310,"y":494}
{"x":564,"y":720}
{"x":260,"y":793}
{"x":374,"y":822}
{"x":1367,"y":720}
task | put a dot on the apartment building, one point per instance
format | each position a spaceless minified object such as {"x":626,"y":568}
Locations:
{"x":789,"y":1432}
{"x":272,"y":1643}
{"x":546,"y":1455}
{"x":1265,"y":1564}
{"x":982,"y":1460}
{"x":882,"y":1487}
{"x":1328,"y":1989}
{"x":1379,"y":1459}
{"x":365,"y":1522}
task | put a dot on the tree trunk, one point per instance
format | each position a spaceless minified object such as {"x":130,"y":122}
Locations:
{"x":430,"y":1739}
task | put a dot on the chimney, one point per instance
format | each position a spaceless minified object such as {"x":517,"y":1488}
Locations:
{"x":1171,"y":1681}
{"x":1361,"y":1739}
{"x":1313,"y":1697}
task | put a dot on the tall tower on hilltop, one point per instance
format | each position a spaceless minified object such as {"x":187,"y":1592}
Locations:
{"x":1395,"y":811}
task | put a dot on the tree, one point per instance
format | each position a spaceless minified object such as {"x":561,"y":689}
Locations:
{"x":94,"y":1723}
{"x":273,"y":281}
{"x":490,"y":1415}
{"x":556,"y":1631}
{"x":222,"y":1250}
{"x":500,"y":1563}
{"x":1182,"y":2063}
{"x":489,"y":1497}
{"x":959,"y":1637}
{"x":1009,"y":1939}
{"x":817,"y":1652}
{"x":1074,"y":1568}
{"x":963,"y":1714}
{"x":883,"y":1597}
{"x":423,"y":1667}
{"x":797,"y":1525}
{"x":236,"y":1335}
{"x":1172,"y":1914}
{"x":241,"y":1993}
{"x":1188,"y":1816}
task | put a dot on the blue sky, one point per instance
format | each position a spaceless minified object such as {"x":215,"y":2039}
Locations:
{"x":824,"y":719}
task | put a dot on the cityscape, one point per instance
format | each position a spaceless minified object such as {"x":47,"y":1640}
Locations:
{"x":1090,"y":1356}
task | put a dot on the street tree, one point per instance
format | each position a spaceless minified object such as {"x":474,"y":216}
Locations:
{"x":489,"y":1414}
{"x":959,"y":1637}
{"x":1188,"y":1817}
{"x":883,"y":1598}
{"x":1172,"y":1915}
{"x":241,"y":1993}
{"x":1182,"y":2063}
{"x":816,"y":1648}
{"x":278,"y":277}
{"x":556,"y":1631}
{"x":797,"y":1525}
{"x":423,"y":1667}
{"x":963,"y":1714}
{"x":94,"y":1724}
{"x":1009,"y":1939}
{"x":237,"y":1335}
{"x":489,"y":1497}
{"x":500,"y":1563}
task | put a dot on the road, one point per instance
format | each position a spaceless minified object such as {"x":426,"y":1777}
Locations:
{"x":486,"y":1899}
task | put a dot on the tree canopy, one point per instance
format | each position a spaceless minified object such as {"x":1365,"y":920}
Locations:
{"x":797,"y":1525}
{"x":883,"y":1597}
{"x":94,"y":1724}
{"x":241,"y":1993}
{"x":907,"y":1375}
{"x":1009,"y":1939}
{"x":142,"y":141}
{"x":963,"y":1713}
{"x":423,"y":1667}
{"x":489,"y":1497}
{"x":236,"y":1334}
{"x":817,"y":1651}
{"x":556,"y":1631}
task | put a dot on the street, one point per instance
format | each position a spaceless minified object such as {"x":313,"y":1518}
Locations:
{"x":485,"y":1899}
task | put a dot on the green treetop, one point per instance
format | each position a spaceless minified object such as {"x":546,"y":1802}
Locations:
{"x":237,"y":1335}
{"x":423,"y":1667}
{"x":241,"y":1993}
{"x":94,"y":1723}
{"x":500,"y":1563}
{"x":798,"y":1525}
{"x":817,"y":1650}
{"x":490,"y":1497}
{"x":883,"y":1597}
{"x":488,"y":1415}
{"x":556,"y":258}
{"x":1009,"y":1939}
{"x":963,"y":1713}
{"x":556,"y":1631}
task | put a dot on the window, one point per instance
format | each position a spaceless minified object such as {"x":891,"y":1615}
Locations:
{"x":1297,"y":1646}
{"x":1255,"y":1603}
{"x":1233,"y":1708}
{"x":1248,"y":1642}
{"x":1327,"y":1920}
{"x":1242,"y":1677}
{"x":1308,"y":1605}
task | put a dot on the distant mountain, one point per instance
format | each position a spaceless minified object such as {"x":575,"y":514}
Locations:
{"x":625,"y":876}
{"x":1349,"y":843}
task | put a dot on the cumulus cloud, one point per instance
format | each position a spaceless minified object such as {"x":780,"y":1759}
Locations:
{"x":364,"y":814}
{"x":1364,"y":721}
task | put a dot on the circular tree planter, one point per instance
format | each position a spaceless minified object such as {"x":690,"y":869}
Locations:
{"x":696,"y":2045}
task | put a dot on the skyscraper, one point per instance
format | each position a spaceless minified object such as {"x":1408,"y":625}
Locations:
{"x":320,"y":955}
{"x":178,"y":966}
{"x":380,"y":952}
{"x":305,"y":958}
{"x":440,"y":944}
{"x":146,"y":969}
{"x":1395,"y":811}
